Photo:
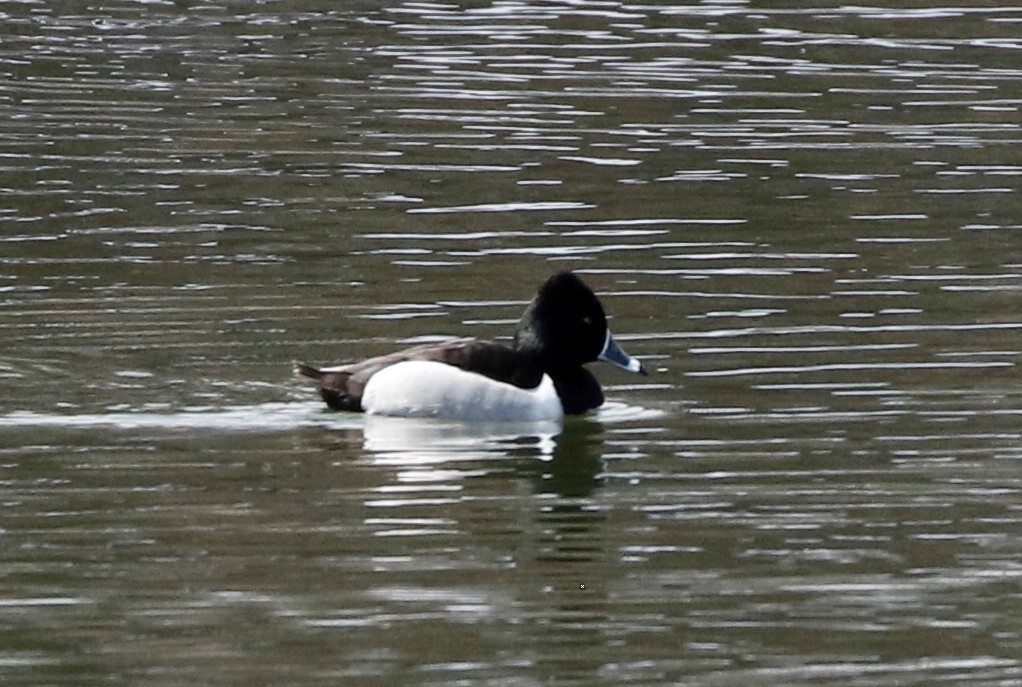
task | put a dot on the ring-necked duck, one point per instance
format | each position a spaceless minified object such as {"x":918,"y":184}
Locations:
{"x":539,"y":377}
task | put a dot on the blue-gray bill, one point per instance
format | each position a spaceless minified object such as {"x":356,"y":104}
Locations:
{"x":613,"y":354}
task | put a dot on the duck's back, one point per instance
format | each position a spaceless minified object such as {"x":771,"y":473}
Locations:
{"x":343,"y":387}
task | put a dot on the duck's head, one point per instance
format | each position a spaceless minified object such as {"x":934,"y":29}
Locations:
{"x":566,"y":326}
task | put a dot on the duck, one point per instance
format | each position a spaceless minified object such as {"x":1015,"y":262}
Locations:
{"x":541,"y":375}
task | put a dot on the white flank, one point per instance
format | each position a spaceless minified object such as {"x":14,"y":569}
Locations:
{"x":422,"y":388}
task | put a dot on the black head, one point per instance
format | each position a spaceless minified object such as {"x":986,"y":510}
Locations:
{"x":565,"y":323}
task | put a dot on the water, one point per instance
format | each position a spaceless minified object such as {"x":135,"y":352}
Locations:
{"x":804,"y":221}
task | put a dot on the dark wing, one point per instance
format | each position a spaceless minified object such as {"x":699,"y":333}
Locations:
{"x":342,"y":387}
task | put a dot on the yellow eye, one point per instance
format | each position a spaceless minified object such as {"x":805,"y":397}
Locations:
{"x":587,"y":320}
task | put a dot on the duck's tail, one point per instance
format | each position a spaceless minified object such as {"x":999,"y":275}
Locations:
{"x":332,"y":385}
{"x":309,"y":372}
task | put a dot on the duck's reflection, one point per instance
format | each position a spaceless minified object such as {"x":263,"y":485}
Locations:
{"x":519,"y":502}
{"x":573,"y":468}
{"x":562,"y":459}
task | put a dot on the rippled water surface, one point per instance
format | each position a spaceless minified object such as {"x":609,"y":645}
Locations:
{"x":806,"y":221}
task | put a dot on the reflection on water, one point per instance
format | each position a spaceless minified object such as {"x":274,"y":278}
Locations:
{"x":803,"y":219}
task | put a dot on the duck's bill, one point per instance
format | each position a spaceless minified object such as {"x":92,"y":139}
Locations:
{"x":613,"y":354}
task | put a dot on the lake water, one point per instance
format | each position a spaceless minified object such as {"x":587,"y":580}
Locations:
{"x":805,"y":221}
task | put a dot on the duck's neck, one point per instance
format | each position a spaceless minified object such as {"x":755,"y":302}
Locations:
{"x":528,"y":348}
{"x":578,"y":390}
{"x":529,"y":370}
{"x":527,"y":336}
